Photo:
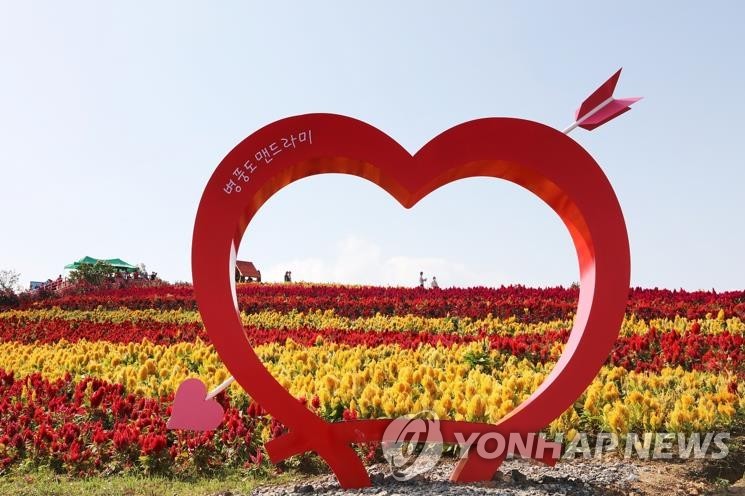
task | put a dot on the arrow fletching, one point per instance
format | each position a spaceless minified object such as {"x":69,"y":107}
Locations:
{"x":601,"y":107}
{"x":599,"y":96}
{"x":610,"y":111}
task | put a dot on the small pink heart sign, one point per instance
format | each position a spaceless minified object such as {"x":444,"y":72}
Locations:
{"x":192,"y":410}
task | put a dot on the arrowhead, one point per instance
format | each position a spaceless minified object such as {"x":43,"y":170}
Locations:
{"x":191,"y":411}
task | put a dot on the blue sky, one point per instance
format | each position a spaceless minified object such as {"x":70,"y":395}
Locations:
{"x":113,"y":116}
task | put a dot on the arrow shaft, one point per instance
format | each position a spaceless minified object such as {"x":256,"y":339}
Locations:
{"x":222,"y":387}
{"x":587,"y":115}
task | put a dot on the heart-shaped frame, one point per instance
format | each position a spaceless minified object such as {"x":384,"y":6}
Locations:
{"x":537,"y":157}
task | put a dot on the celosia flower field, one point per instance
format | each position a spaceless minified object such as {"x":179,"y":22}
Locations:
{"x":86,"y":381}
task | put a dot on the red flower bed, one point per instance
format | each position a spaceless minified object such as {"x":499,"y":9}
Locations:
{"x":53,"y":330}
{"x":92,"y":426}
{"x":527,"y":304}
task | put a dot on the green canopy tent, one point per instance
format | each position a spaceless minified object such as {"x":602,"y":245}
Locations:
{"x":117,"y":263}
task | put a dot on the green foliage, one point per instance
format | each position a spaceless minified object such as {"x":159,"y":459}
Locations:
{"x":481,"y":359}
{"x":94,"y":275}
{"x":45,"y":482}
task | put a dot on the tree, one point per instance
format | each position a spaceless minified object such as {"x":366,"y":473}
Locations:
{"x":94,"y":274}
{"x":9,"y":281}
{"x":9,"y":288}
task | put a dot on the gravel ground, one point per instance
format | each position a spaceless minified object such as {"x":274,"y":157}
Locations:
{"x":515,"y":477}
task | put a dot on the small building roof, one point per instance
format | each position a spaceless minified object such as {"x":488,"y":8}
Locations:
{"x":247,"y":269}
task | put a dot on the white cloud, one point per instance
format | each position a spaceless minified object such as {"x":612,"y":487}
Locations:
{"x":359,"y":261}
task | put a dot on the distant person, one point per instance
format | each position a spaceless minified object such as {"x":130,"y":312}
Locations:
{"x":289,"y":276}
{"x":422,"y":279}
{"x":434,"y":283}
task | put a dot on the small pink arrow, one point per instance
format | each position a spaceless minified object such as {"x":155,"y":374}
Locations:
{"x":601,"y":107}
{"x":192,"y":410}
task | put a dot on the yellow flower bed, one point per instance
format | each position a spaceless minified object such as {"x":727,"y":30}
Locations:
{"x":102,"y":316}
{"x":388,"y":381}
{"x":328,"y":319}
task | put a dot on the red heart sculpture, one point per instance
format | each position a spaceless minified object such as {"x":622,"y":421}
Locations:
{"x":539,"y":158}
{"x":192,"y":411}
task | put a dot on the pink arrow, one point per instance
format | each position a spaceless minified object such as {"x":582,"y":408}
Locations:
{"x":601,"y":107}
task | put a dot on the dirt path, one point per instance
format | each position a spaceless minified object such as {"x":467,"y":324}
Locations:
{"x":610,"y":476}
